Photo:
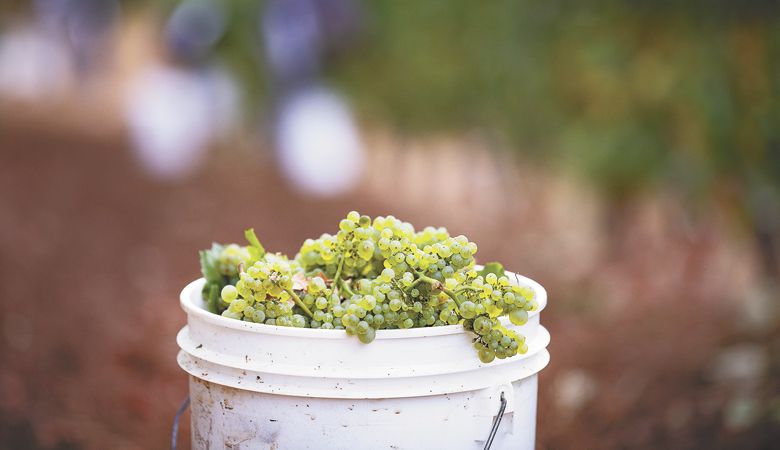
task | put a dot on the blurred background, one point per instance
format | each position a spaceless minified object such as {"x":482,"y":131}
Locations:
{"x":624,"y":154}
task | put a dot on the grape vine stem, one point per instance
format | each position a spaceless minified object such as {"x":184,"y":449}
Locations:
{"x":343,"y":285}
{"x":466,"y":288}
{"x":338,"y":271}
{"x":436,"y":284}
{"x":299,"y":302}
{"x":406,"y":296}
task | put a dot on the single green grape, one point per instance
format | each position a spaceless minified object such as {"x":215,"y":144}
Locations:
{"x":486,"y":355}
{"x":346,"y":225}
{"x":518,"y":317}
{"x":366,"y":250}
{"x":395,"y":304}
{"x":368,"y":336}
{"x":229,"y":293}
{"x":482,"y":325}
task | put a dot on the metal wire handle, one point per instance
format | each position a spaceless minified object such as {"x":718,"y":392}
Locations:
{"x":496,"y":422}
{"x":175,"y":431}
{"x":488,"y":443}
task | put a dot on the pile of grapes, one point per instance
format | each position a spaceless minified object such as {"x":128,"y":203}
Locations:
{"x":372,"y":275}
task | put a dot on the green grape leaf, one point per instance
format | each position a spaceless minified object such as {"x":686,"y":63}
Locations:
{"x":215,"y":281}
{"x":492,"y":267}
{"x":256,"y":250}
{"x":208,"y":265}
{"x":212,"y":296}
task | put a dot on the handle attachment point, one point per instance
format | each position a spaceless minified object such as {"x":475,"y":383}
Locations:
{"x":496,"y":422}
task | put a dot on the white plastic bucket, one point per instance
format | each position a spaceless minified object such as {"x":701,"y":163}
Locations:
{"x":255,"y":386}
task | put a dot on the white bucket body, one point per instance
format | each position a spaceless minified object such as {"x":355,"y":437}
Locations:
{"x":224,"y":417}
{"x":255,"y":386}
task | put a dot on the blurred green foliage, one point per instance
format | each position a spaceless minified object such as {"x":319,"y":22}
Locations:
{"x":627,"y":93}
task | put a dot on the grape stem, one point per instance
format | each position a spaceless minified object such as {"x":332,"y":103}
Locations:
{"x":345,"y":287}
{"x":436,"y":284}
{"x":338,"y":271}
{"x":466,"y":288}
{"x":406,"y":297}
{"x":416,"y":282}
{"x":299,"y":302}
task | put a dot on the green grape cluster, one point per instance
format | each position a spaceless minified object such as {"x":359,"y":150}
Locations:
{"x":231,"y":257}
{"x":372,"y":275}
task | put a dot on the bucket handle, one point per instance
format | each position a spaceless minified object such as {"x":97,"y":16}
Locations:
{"x":493,"y":430}
{"x":175,"y":430}
{"x":496,"y":422}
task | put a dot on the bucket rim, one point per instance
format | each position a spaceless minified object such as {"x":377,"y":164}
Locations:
{"x":192,"y":303}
